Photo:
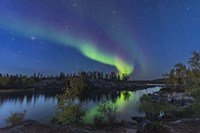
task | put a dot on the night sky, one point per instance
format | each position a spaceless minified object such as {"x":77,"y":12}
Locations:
{"x":144,"y":38}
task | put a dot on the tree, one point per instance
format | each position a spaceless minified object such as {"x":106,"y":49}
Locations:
{"x":106,"y":77}
{"x":118,"y":77}
{"x":113,"y":76}
{"x":98,"y":75}
{"x":69,"y":112}
{"x":181,"y":73}
{"x":194,"y":61}
{"x":106,"y":114}
{"x":187,"y":77}
{"x":94,"y":76}
{"x":61,"y":76}
{"x":172,"y":78}
{"x":125,"y":77}
{"x":178,"y":75}
{"x":77,"y":84}
{"x":126,"y":95}
{"x":101,"y":75}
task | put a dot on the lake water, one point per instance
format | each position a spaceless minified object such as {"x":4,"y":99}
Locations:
{"x":41,"y":106}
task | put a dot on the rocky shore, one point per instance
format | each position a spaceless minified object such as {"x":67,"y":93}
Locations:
{"x":176,"y":119}
{"x":30,"y":126}
{"x":186,"y":125}
{"x":180,"y":99}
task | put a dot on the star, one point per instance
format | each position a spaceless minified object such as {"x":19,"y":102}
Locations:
{"x":32,"y":38}
{"x":188,"y":8}
{"x":66,"y":27}
{"x":74,"y":5}
{"x":113,"y":11}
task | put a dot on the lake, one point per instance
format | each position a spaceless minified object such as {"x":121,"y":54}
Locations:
{"x":40,"y":106}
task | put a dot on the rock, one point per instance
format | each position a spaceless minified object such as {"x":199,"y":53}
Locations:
{"x":30,"y":126}
{"x":49,"y":85}
{"x":191,"y":121}
{"x":138,"y":119}
{"x":181,"y":99}
{"x":161,"y":115}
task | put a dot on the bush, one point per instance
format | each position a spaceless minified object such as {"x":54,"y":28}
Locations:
{"x":106,"y":114}
{"x":15,"y":118}
{"x":71,"y":114}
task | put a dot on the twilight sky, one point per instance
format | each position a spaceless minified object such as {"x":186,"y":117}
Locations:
{"x":142,"y":37}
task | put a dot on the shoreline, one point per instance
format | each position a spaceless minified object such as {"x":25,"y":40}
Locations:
{"x":16,"y":90}
{"x":36,"y":126}
{"x":96,"y":89}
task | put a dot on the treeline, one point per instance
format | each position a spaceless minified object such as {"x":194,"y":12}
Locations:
{"x":186,"y":76}
{"x":100,"y":75}
{"x":20,"y":81}
{"x":17,"y":81}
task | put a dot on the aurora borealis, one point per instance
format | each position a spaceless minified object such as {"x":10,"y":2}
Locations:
{"x":143,"y":38}
{"x":86,"y":48}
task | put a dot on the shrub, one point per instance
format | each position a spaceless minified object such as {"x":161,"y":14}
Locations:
{"x":71,"y":114}
{"x":106,"y":114}
{"x":15,"y":118}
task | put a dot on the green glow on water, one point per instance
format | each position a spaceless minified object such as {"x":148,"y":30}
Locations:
{"x":121,"y":103}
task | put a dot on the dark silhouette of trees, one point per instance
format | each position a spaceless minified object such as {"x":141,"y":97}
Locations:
{"x":184,"y":76}
{"x":19,"y":81}
{"x":125,"y":77}
{"x":194,"y":61}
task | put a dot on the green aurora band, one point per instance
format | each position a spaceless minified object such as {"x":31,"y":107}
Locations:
{"x":26,"y":28}
{"x":121,"y":33}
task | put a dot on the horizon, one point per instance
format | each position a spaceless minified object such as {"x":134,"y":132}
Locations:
{"x":140,"y":37}
{"x":71,"y":75}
